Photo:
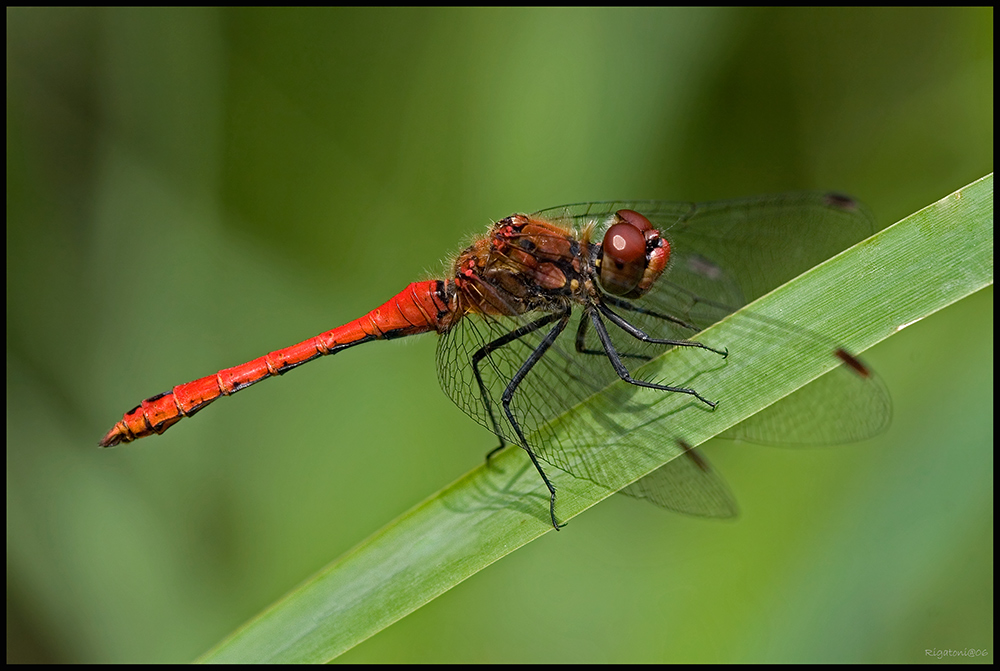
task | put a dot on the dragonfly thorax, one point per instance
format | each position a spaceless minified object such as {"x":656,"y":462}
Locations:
{"x":524,"y":264}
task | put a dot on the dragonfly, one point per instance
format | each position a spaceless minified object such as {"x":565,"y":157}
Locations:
{"x":547,"y":309}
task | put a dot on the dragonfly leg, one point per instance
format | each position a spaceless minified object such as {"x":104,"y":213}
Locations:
{"x":508,"y":395}
{"x":623,"y":373}
{"x":581,"y":344}
{"x":638,"y":334}
{"x":491,"y":346}
{"x":625,"y":305}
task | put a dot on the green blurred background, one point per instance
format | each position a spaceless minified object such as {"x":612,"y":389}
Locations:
{"x":189,"y":189}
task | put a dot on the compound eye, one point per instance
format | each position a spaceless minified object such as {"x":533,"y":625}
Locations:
{"x":624,"y":258}
{"x":636,"y":219}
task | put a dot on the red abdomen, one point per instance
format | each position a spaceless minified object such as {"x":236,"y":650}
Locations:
{"x":419,"y":308}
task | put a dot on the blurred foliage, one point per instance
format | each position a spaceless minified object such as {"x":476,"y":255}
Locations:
{"x":188,"y":189}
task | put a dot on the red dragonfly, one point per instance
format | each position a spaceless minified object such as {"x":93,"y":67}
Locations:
{"x":641,"y":278}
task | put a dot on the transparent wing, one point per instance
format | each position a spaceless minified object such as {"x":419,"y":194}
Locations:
{"x":687,"y":484}
{"x":735,"y":251}
{"x":727,"y":254}
{"x":723,"y":255}
{"x":562,"y":379}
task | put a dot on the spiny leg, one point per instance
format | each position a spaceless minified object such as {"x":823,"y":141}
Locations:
{"x":638,"y":334}
{"x":492,"y":346}
{"x":634,"y":331}
{"x":581,"y":342}
{"x":508,"y":395}
{"x":626,"y":305}
{"x":623,"y":373}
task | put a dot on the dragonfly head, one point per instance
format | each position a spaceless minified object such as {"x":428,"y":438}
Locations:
{"x":633,"y":255}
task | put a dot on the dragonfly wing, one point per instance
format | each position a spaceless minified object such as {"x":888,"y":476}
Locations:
{"x":559,"y":381}
{"x":757,"y":243}
{"x":839,"y":407}
{"x":726,"y":254}
{"x":686,"y":484}
{"x":563,"y":379}
{"x":723,"y":255}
